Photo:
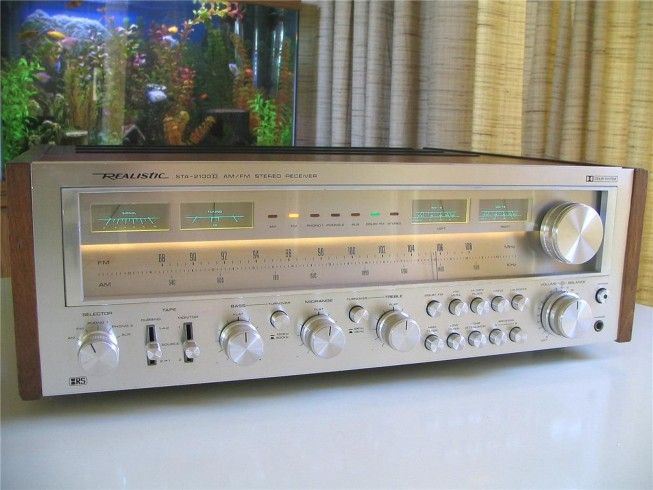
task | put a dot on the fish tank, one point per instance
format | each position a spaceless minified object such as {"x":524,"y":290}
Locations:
{"x":147,"y":73}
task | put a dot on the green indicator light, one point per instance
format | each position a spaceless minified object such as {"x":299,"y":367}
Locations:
{"x":375,"y":214}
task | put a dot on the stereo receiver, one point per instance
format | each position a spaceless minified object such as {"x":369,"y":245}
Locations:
{"x":137,"y":270}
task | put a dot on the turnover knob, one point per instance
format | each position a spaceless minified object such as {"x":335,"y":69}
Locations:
{"x":398,"y":330}
{"x":323,"y":336}
{"x":98,"y":351}
{"x":567,"y":315}
{"x":571,"y":233}
{"x":241,"y":342}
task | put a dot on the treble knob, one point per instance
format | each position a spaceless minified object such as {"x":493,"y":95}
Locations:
{"x":398,"y":330}
{"x":571,"y":233}
{"x":241,"y":342}
{"x":566,"y":314}
{"x":98,"y":351}
{"x":323,"y":336}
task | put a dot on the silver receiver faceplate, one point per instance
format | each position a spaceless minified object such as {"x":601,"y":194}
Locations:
{"x":160,"y":273}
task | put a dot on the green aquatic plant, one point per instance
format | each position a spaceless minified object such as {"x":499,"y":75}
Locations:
{"x":265,"y":111}
{"x":18,"y":89}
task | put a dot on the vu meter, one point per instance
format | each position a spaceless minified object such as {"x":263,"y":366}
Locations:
{"x":191,"y":268}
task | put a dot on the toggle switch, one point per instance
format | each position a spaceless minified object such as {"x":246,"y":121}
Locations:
{"x":191,"y":349}
{"x":152,"y":346}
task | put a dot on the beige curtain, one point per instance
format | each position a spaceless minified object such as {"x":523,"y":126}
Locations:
{"x":568,"y":79}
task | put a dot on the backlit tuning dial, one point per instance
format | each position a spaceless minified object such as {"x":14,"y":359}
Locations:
{"x":500,"y":304}
{"x":398,"y":330}
{"x":98,"y":351}
{"x":242,"y":343}
{"x":458,"y":307}
{"x":566,"y":314}
{"x":571,"y":233}
{"x":479,"y":306}
{"x":323,"y":336}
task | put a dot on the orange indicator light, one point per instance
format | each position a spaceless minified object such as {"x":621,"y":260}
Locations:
{"x":293,"y":215}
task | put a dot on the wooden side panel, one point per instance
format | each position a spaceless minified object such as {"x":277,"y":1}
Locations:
{"x":23,"y":280}
{"x":631,"y":261}
{"x":5,"y":262}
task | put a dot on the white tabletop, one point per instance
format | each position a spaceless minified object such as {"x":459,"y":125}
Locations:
{"x":571,"y":418}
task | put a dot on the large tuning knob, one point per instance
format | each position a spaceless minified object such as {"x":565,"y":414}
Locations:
{"x":571,"y":233}
{"x":567,"y":315}
{"x":98,"y":349}
{"x":323,"y":336}
{"x":398,"y":330}
{"x":241,"y":342}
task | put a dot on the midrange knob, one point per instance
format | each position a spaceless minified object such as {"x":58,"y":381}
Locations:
{"x":323,"y":336}
{"x":98,"y":349}
{"x":567,"y":315}
{"x":571,"y":233}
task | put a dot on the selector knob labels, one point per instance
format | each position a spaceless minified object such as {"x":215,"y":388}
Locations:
{"x":398,"y":330}
{"x":323,"y":336}
{"x":571,"y":233}
{"x":242,"y":343}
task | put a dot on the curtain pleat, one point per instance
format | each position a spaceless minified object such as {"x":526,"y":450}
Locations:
{"x":560,"y":79}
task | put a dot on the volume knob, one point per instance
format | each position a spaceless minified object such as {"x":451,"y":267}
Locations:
{"x":398,"y":330}
{"x":98,"y":351}
{"x":567,"y":315}
{"x":241,"y":342}
{"x":571,"y":233}
{"x":323,"y":336}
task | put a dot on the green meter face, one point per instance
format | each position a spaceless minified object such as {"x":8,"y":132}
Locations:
{"x":503,"y":210}
{"x":431,"y":211}
{"x":120,"y":218}
{"x":217,"y":215}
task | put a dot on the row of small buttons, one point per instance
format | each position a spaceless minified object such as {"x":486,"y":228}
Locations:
{"x":478,"y":305}
{"x":476,"y":338}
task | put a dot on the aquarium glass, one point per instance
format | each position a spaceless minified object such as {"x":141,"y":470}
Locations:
{"x":147,"y":73}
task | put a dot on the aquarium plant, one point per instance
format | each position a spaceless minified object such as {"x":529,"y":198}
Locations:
{"x":18,"y":90}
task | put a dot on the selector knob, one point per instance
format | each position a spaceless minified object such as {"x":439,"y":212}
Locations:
{"x":323,"y":336}
{"x":434,"y":308}
{"x":458,"y":307}
{"x":517,"y":335}
{"x":498,"y":336}
{"x":358,"y":314}
{"x":455,"y":341}
{"x":98,"y":351}
{"x":280,"y":319}
{"x":479,"y":306}
{"x":500,"y":304}
{"x":398,"y":330}
{"x":571,"y":233}
{"x":434,"y":343}
{"x":242,"y":343}
{"x":567,"y":315}
{"x":476,"y":339}
{"x":519,"y":302}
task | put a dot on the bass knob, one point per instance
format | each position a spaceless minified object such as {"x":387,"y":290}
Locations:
{"x":571,"y":233}
{"x":241,"y":342}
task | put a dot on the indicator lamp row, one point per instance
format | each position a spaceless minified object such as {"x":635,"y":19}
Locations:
{"x":373,"y":214}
